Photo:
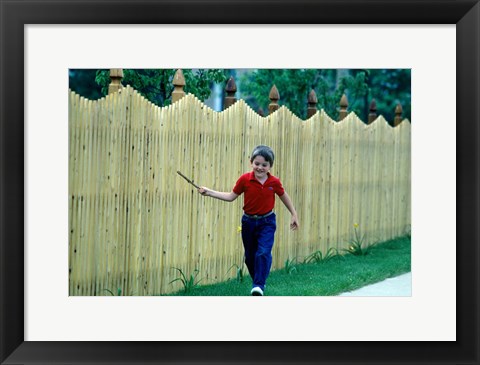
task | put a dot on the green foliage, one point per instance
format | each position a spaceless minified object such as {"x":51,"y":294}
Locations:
{"x":156,"y":84}
{"x":357,"y":246}
{"x":293,"y":86}
{"x":318,"y":257}
{"x":199,"y":82}
{"x":189,"y":283}
{"x":240,"y":274}
{"x":119,"y":291}
{"x":290,"y":265}
{"x":82,"y":81}
{"x":388,"y":87}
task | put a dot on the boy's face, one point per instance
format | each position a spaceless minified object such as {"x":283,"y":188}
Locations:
{"x":260,"y":167}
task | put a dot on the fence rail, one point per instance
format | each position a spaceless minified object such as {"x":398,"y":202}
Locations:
{"x":132,"y":219}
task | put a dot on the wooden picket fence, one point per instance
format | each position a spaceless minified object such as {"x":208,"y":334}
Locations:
{"x":132,"y":219}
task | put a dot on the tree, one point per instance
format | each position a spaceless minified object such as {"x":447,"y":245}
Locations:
{"x":387,"y":86}
{"x":292,"y":84}
{"x":154,"y":84}
{"x":82,"y":81}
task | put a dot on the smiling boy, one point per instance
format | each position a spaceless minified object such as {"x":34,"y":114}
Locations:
{"x":258,"y":220}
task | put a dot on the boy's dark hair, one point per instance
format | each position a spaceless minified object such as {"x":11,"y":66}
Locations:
{"x":264,"y":151}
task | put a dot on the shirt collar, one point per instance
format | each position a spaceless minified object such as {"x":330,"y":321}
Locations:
{"x":252,"y":176}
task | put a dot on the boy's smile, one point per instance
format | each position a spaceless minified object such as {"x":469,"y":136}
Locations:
{"x":260,"y":168}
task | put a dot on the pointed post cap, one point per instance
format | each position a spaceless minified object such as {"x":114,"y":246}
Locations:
{"x":312,"y":103}
{"x":230,"y":89}
{"x":343,"y":107}
{"x":274,"y":95}
{"x":398,"y":109}
{"x":178,"y":83}
{"x":398,"y":115}
{"x":179,"y":79}
{"x":274,"y":98}
{"x":231,"y":86}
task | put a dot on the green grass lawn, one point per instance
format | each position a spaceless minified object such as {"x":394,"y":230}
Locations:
{"x":340,"y":274}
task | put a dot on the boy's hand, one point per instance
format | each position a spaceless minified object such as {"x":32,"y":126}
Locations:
{"x":294,"y":223}
{"x":203,"y":191}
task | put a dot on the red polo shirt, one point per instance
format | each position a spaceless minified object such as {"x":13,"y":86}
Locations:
{"x":259,"y":199}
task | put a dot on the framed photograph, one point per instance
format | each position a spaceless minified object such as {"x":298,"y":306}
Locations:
{"x":34,"y":330}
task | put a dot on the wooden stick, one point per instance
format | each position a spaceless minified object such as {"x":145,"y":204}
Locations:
{"x":188,"y":180}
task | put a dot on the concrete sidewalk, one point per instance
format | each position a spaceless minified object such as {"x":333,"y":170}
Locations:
{"x":399,"y":286}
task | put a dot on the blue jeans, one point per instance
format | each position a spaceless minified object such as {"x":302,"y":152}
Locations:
{"x":258,"y":236}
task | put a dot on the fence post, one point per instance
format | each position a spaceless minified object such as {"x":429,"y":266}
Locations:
{"x":373,"y":111}
{"x":343,"y":107}
{"x":230,"y":89}
{"x":312,"y":104}
{"x":116,"y":76}
{"x":398,"y":115}
{"x":178,"y":84}
{"x":274,"y":98}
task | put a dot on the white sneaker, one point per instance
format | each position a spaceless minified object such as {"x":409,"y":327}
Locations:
{"x":257,"y":291}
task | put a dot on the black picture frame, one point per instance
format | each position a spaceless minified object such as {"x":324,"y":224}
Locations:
{"x":15,"y":14}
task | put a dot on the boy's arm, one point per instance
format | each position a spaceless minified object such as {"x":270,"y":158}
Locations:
{"x":288,"y":203}
{"x":228,"y":197}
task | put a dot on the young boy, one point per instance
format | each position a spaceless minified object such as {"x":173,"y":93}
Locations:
{"x":258,"y":221}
